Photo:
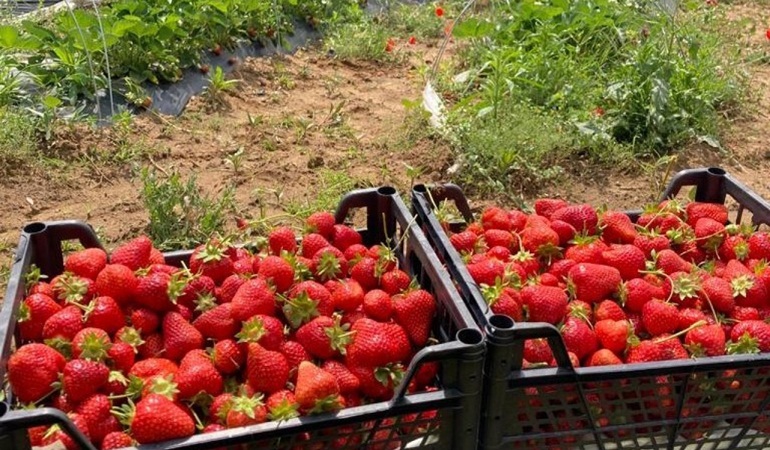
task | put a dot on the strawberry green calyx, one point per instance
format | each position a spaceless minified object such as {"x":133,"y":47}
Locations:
{"x":329,"y":267}
{"x":95,"y":347}
{"x":300,"y":309}
{"x":125,"y":413}
{"x":131,"y":336}
{"x":686,"y":286}
{"x":741,"y":285}
{"x":741,"y":251}
{"x":33,"y":275}
{"x":73,"y":288}
{"x":492,"y":293}
{"x":284,"y":410}
{"x":61,"y":345}
{"x":583,"y":238}
{"x":177,"y":284}
{"x":391,"y":373}
{"x":164,"y":386}
{"x":206,"y":301}
{"x":246,"y":404}
{"x":328,"y":404}
{"x":24,"y":313}
{"x":301,"y":271}
{"x":252,"y":331}
{"x":746,"y":344}
{"x":339,"y":335}
{"x":213,"y":250}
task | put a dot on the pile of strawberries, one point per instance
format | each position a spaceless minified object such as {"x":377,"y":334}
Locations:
{"x":680,"y":282}
{"x":137,"y":351}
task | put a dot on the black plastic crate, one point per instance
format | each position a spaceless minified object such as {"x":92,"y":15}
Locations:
{"x":708,"y":403}
{"x":460,"y":352}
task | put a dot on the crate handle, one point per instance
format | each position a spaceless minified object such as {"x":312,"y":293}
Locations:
{"x":506,"y":332}
{"x":46,"y":239}
{"x":435,"y":194}
{"x":24,"y":419}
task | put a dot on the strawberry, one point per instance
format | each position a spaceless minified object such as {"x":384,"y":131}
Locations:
{"x":344,"y":236}
{"x":63,"y":324}
{"x":56,"y":435}
{"x":365,"y":273}
{"x":750,"y":336}
{"x":145,"y":321}
{"x":86,"y":263}
{"x":179,"y":337}
{"x":688,"y":317}
{"x":586,"y":249}
{"x":321,"y":222}
{"x":227,"y":356}
{"x":157,"y":419}
{"x":508,"y":303}
{"x":91,"y":343}
{"x":579,"y":338}
{"x":252,"y":298}
{"x":197,"y":374}
{"x":152,"y":292}
{"x":713,"y":211}
{"x":651,"y":242}
{"x":581,"y":310}
{"x":41,"y":287}
{"x":307,"y":299}
{"x":316,"y":389}
{"x":81,"y":378}
{"x":267,"y":331}
{"x":32,"y":368}
{"x":734,"y":269}
{"x":635,"y":293}
{"x":282,"y":405}
{"x":156,"y":257}
{"x":347,"y":382}
{"x":617,"y":228}
{"x":749,"y":291}
{"x":376,"y":344}
{"x":709,"y":234}
{"x":660,"y":317}
{"x":395,"y":281}
{"x":613,"y":334}
{"x":95,"y":411}
{"x":545,"y":303}
{"x":628,"y":259}
{"x":220,"y":406}
{"x":646,"y":351}
{"x":312,"y":243}
{"x":122,"y":355}
{"x":414,"y":312}
{"x":669,"y":262}
{"x":354,"y":253}
{"x":348,"y":295}
{"x":152,"y":346}
{"x":593,"y":282}
{"x":378,"y":383}
{"x":495,"y":218}
{"x":705,"y":340}
{"x":329,"y":263}
{"x":116,"y":281}
{"x":759,"y":245}
{"x":266,"y":371}
{"x":277,"y":271}
{"x":487,"y":271}
{"x":547,"y":206}
{"x":295,"y":353}
{"x":246,"y":410}
{"x":212,"y":259}
{"x":153,"y":367}
{"x":217,"y":323}
{"x":282,"y":239}
{"x":719,"y":293}
{"x":537,"y":351}
{"x":561,"y":268}
{"x":324,"y":337}
{"x":34,"y":311}
{"x":196,"y":287}
{"x":70,"y":288}
{"x":608,"y":309}
{"x":134,"y":254}
{"x":565,"y":231}
{"x":116,"y":440}
{"x":465,"y":241}
{"x":226,"y":291}
{"x":660,"y":222}
{"x":603,"y":357}
{"x":582,"y":217}
{"x":500,"y":238}
{"x":540,"y":240}
{"x":105,"y":313}
{"x":733,"y":247}
{"x":244,"y":266}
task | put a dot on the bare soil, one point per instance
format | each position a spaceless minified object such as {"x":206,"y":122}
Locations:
{"x":298,"y":117}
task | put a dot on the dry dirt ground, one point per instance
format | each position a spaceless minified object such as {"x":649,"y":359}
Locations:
{"x":302,"y":121}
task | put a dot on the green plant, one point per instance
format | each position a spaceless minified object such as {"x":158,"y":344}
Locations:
{"x":181,"y":216}
{"x":332,"y":185}
{"x":18,"y":140}
{"x":218,"y":86}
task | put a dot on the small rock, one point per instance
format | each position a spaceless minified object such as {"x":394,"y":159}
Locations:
{"x":315,"y":161}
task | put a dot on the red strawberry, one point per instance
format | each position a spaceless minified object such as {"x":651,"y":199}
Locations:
{"x":116,"y":440}
{"x":587,"y":250}
{"x":33,"y":313}
{"x":603,"y":357}
{"x":635,"y":293}
{"x":628,"y":259}
{"x":122,"y":356}
{"x":105,"y":313}
{"x":282,"y":239}
{"x":252,"y":298}
{"x":152,"y":346}
{"x":56,"y":434}
{"x":669,"y":262}
{"x":561,"y":268}
{"x":217,"y":323}
{"x":487,"y":271}
{"x":227,"y":356}
{"x":465,"y":241}
{"x":246,"y":410}
{"x":321,"y":222}
{"x":324,"y":337}
{"x":282,"y":405}
{"x":219,"y":407}
{"x":347,"y":382}
{"x":689,"y":317}
{"x":63,"y":324}
{"x":312,"y":243}
{"x":91,"y":343}
{"x":116,"y":281}
{"x":376,"y":344}
{"x":545,"y":303}
{"x":197,"y":374}
{"x":277,"y":271}
{"x":316,"y":389}
{"x":706,"y":340}
{"x":156,"y":257}
{"x":540,"y":240}
{"x":378,"y":383}
{"x":198,"y":286}
{"x":713,"y":211}
{"x":660,"y":317}
{"x":212,"y":259}
{"x":508,"y":303}
{"x":646,"y":351}
{"x":152,"y":292}
{"x":582,"y":310}
{"x":749,"y":291}
{"x":365,"y":273}
{"x":759,"y":245}
{"x":86,"y":263}
{"x":32,"y":368}
{"x":537,"y":351}
{"x":267,"y":331}
{"x":709,"y":234}
{"x":547,"y":206}
{"x":134,"y":254}
{"x":95,"y":411}
{"x":613,"y":334}
{"x":266,"y":371}
{"x":307,"y":300}
{"x":295,"y":353}
{"x":395,"y":281}
{"x":81,"y":378}
{"x":733,"y":247}
{"x":354,"y":253}
{"x":719,"y":293}
{"x":153,"y":367}
{"x":179,"y":337}
{"x":565,"y":231}
{"x":344,"y":236}
{"x":594,"y":282}
{"x":617,"y":228}
{"x":347,"y":295}
{"x":495,"y":218}
{"x":579,"y":338}
{"x":750,"y":336}
{"x":414,"y":312}
{"x":651,"y":242}
{"x":145,"y":321}
{"x":157,"y":419}
{"x":582,"y":217}
{"x":608,"y":309}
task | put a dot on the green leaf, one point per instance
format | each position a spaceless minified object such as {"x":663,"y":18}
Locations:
{"x":36,"y":30}
{"x":473,"y":28}
{"x":51,"y":102}
{"x":8,"y":36}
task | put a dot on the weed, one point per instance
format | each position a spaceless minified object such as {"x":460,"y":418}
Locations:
{"x":218,"y":86}
{"x":18,"y":142}
{"x":332,"y":185}
{"x":302,"y":126}
{"x":235,"y":160}
{"x":181,"y":216}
